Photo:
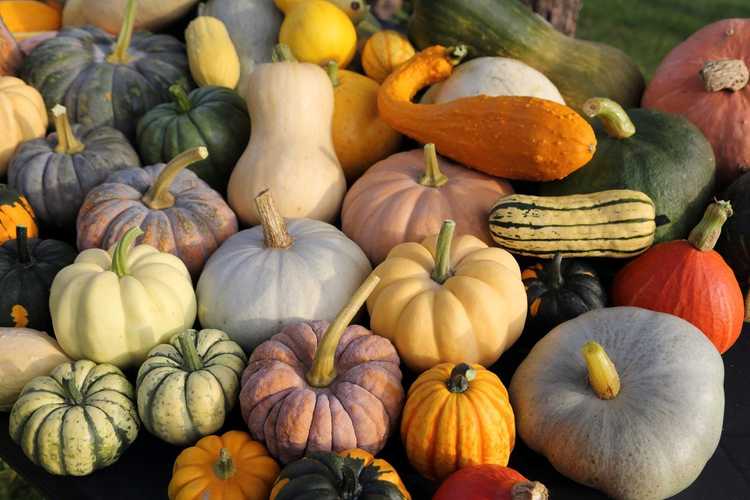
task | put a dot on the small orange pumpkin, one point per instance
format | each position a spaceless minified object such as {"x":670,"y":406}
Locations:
{"x":384,"y":52}
{"x":15,"y":211}
{"x":29,"y":16}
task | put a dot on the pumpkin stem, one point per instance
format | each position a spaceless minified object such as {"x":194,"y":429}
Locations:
{"x":705,"y":235}
{"x":180,"y":97}
{"x":67,"y":142}
{"x":603,"y":375}
{"x":442,"y":269}
{"x":224,"y":467}
{"x":615,"y":120}
{"x":282,"y":53}
{"x":461,"y":375}
{"x":529,"y":490}
{"x":727,"y":74}
{"x":22,"y":245}
{"x":275,"y":232}
{"x":332,"y":68}
{"x":74,"y":392}
{"x":122,"y":249}
{"x":555,"y":271}
{"x":159,"y":197}
{"x":190,"y":355}
{"x":456,"y":54}
{"x":120,"y":54}
{"x":433,"y":177}
{"x":323,"y":370}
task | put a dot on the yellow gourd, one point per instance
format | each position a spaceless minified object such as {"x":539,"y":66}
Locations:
{"x":22,"y":117}
{"x":25,"y":16}
{"x":384,"y":52}
{"x":212,"y":56}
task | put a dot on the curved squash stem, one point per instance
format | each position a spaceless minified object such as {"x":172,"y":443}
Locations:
{"x":442,"y":269}
{"x":190,"y":355}
{"x":122,"y":249}
{"x":323,"y":370}
{"x":433,"y":177}
{"x":555,"y":270}
{"x":282,"y":53}
{"x":461,"y":375}
{"x":120,"y":54}
{"x":332,"y":68}
{"x":72,"y":389}
{"x":615,"y":120}
{"x":603,"y":375}
{"x":159,"y":197}
{"x":67,"y":142}
{"x":726,"y":74}
{"x":224,"y":467}
{"x":529,"y":490}
{"x":705,"y":235}
{"x":180,"y":97}
{"x":22,"y":245}
{"x":275,"y":232}
{"x":457,"y":54}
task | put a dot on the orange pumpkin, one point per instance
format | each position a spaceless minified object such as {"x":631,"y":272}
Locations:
{"x":29,"y":16}
{"x":15,"y":211}
{"x":384,"y":52}
{"x":490,"y":482}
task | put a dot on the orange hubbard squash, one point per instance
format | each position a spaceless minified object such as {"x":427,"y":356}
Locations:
{"x":490,"y":482}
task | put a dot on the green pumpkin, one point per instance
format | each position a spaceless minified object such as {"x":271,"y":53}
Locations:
{"x":660,"y":154}
{"x":186,"y":388}
{"x":214,"y":117}
{"x":80,"y":418}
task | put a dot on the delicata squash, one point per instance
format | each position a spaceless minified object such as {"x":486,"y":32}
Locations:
{"x":522,"y":138}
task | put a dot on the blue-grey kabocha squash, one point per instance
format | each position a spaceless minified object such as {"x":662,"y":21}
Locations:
{"x":55,"y":174}
{"x":103,"y":80}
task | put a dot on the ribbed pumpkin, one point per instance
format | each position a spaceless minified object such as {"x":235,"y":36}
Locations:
{"x":490,"y":482}
{"x":55,"y":174}
{"x":78,"y":419}
{"x":384,"y":52}
{"x":22,"y":117}
{"x":456,"y":416}
{"x":407,"y":196}
{"x":688,"y":279}
{"x":15,"y":211}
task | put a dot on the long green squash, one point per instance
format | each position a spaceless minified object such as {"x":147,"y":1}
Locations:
{"x":580,"y":69}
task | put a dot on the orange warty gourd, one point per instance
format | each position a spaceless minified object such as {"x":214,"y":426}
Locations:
{"x":490,"y":482}
{"x":522,"y":138}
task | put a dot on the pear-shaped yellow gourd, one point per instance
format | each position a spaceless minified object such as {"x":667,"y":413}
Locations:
{"x":212,"y":56}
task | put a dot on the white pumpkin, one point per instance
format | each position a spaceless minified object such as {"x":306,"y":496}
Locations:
{"x":108,"y":14}
{"x":114,"y":307}
{"x":493,"y":76}
{"x":267,"y":277}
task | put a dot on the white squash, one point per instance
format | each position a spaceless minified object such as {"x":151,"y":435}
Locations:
{"x":108,"y":14}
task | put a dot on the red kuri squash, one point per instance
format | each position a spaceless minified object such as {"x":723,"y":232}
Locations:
{"x":490,"y":482}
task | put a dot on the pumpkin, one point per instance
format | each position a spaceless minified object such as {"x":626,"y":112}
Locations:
{"x":178,"y":212}
{"x":493,"y":76}
{"x":688,"y":279}
{"x":407,"y":196}
{"x":27,"y":16}
{"x":213,"y":117}
{"x":444,"y":300}
{"x":360,"y":137}
{"x":291,"y":148}
{"x":78,"y":419}
{"x":660,"y":154}
{"x":353,"y":474}
{"x":322,"y":386}
{"x":114,"y":307}
{"x":186,"y":388}
{"x":24,"y":355}
{"x":106,"y":82}
{"x":490,"y":482}
{"x":384,"y":52}
{"x":230,"y":466}
{"x":55,"y":174}
{"x":15,"y":211}
{"x":22,"y":117}
{"x":733,"y":244}
{"x":27,"y":269}
{"x":523,"y":138}
{"x":580,"y":69}
{"x":265,"y":278}
{"x":456,"y":416}
{"x":211,"y":54}
{"x":637,"y":416}
{"x":705,"y":80}
{"x":108,"y":14}
{"x":11,"y":54}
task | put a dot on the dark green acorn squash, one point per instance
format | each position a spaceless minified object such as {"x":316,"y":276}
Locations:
{"x":660,"y":154}
{"x":734,"y":244}
{"x":507,"y":28}
{"x":215,"y":117}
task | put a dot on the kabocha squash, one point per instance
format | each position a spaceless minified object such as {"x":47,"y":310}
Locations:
{"x":352,"y":474}
{"x":178,"y":212}
{"x":265,"y":278}
{"x":688,"y":279}
{"x":230,"y":466}
{"x":106,"y":82}
{"x":523,"y":138}
{"x":407,"y":197}
{"x":55,"y":174}
{"x":108,"y":14}
{"x":211,"y":54}
{"x":456,"y":416}
{"x":448,"y":299}
{"x":291,"y":149}
{"x":620,"y":223}
{"x":22,"y":117}
{"x":24,"y":355}
{"x":660,"y":154}
{"x":78,"y":419}
{"x":490,"y":482}
{"x":114,"y":307}
{"x":646,"y":419}
{"x":27,"y":16}
{"x":186,"y":388}
{"x":15,"y":211}
{"x":213,"y":117}
{"x":733,"y":244}
{"x":323,"y":386}
{"x":384,"y":52}
{"x":27,"y":268}
{"x":507,"y":28}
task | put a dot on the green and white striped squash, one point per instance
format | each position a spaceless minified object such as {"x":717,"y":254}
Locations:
{"x":618,"y":223}
{"x":79,"y":418}
{"x":186,"y":388}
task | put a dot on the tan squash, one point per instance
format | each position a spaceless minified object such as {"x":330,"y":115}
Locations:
{"x":211,"y":54}
{"x":22,"y":117}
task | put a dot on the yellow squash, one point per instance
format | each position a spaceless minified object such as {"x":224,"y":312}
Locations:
{"x":384,"y":52}
{"x":212,"y":56}
{"x":22,"y":117}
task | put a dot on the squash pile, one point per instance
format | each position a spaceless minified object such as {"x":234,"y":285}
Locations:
{"x":289,"y":258}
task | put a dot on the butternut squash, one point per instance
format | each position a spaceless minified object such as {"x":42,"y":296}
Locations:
{"x":211,"y":54}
